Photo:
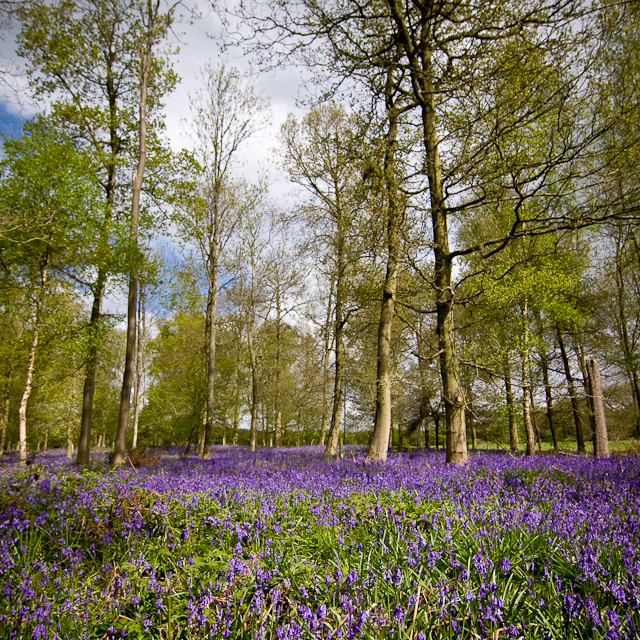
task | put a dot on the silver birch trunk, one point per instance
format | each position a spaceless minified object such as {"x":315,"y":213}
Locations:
{"x":22,"y":410}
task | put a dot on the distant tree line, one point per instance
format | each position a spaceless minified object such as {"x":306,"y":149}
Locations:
{"x":462,"y":246}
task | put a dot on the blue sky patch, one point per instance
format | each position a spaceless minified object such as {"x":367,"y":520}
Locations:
{"x":10,"y":122}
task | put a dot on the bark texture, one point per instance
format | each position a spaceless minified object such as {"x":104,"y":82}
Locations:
{"x":596,"y":401}
{"x":382,"y":424}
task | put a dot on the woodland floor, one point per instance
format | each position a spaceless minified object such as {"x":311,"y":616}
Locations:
{"x":280,"y":544}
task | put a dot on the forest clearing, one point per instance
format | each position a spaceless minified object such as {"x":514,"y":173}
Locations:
{"x":280,"y":544}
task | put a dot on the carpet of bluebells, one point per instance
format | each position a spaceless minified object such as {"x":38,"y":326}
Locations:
{"x":280,"y":544}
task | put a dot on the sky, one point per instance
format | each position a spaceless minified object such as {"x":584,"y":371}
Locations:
{"x":198,"y":43}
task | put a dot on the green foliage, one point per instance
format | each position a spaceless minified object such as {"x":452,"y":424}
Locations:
{"x":50,"y":199}
{"x":176,"y":398}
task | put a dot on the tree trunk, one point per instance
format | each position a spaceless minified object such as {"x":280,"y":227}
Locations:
{"x":469,"y":415}
{"x":382,"y":424}
{"x":544,"y":362}
{"x":69,"y":452}
{"x":119,"y":450}
{"x":91,"y":368}
{"x":278,"y":425}
{"x":325,"y":368}
{"x":427,"y":442}
{"x":456,"y":433}
{"x":536,"y":426}
{"x":325,"y":397}
{"x":420,"y":67}
{"x":224,"y":430}
{"x":596,"y":400}
{"x":236,"y":409}
{"x":334,"y":431}
{"x":526,"y":411}
{"x":115,"y":145}
{"x":425,"y":399}
{"x":254,"y":366}
{"x":139,"y":367}
{"x":514,"y":440}
{"x":579,"y":351}
{"x":22,"y":411}
{"x":572,"y":393}
{"x":212,"y":310}
{"x":526,"y":384}
{"x":474,"y":431}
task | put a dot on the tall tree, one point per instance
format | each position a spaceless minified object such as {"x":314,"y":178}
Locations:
{"x":251,"y":249}
{"x":84,"y":53}
{"x":504,"y":85}
{"x":224,"y":115}
{"x":283,"y":283}
{"x":395,"y":205}
{"x":153,"y":23}
{"x":53,"y":227}
{"x":321,"y":156}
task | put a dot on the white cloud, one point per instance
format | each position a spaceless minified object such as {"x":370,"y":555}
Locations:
{"x":200,"y":42}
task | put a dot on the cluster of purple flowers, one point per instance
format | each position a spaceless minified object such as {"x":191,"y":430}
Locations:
{"x":280,"y":544}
